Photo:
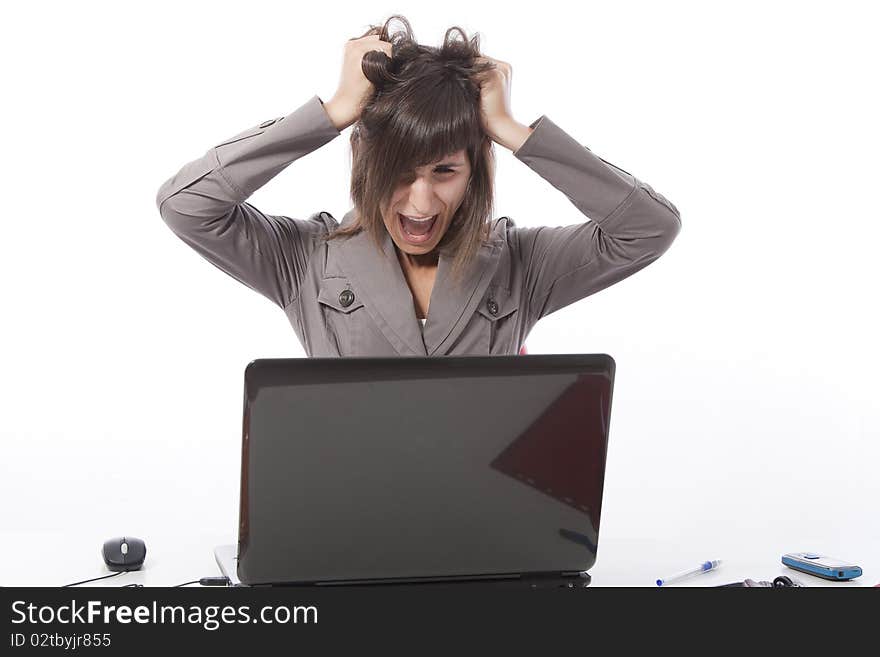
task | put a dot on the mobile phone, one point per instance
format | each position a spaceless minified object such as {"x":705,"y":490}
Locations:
{"x":821,"y":565}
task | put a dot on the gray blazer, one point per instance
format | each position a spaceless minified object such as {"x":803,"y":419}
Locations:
{"x":344,"y":298}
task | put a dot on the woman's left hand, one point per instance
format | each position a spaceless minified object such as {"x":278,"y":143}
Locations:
{"x":498,"y":121}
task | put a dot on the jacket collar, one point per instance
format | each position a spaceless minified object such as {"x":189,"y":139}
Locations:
{"x":380,"y":281}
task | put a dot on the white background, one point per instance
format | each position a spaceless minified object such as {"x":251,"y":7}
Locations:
{"x":745,"y":416}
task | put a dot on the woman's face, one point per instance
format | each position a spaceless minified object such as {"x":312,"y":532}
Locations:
{"x":432,"y":193}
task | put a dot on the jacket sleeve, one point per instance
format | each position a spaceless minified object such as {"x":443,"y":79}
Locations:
{"x":631,"y":224}
{"x":205,"y":205}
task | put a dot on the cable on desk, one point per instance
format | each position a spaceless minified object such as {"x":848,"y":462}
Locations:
{"x":207,"y":581}
{"x":95,"y":579}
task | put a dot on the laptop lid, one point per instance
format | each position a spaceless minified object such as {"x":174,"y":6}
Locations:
{"x":406,"y":469}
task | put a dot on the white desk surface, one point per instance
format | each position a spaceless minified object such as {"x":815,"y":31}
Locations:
{"x":54,"y":559}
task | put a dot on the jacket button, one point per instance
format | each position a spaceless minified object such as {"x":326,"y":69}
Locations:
{"x":266,"y":124}
{"x":346,"y":298}
{"x":492,"y":305}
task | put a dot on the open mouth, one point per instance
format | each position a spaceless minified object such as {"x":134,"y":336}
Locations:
{"x":417,"y":232}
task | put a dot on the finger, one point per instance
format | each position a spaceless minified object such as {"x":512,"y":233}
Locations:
{"x":382,"y":47}
{"x":387,"y":51}
{"x":378,"y":45}
{"x":367,"y":39}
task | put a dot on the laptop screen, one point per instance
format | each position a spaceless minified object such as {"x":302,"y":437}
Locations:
{"x":390,"y":468}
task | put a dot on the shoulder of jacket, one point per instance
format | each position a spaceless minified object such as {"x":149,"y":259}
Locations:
{"x":327,"y":219}
{"x":501,"y":228}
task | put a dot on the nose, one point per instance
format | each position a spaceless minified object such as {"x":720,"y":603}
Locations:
{"x":421,"y":196}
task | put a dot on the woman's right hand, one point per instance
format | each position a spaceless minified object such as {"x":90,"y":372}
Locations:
{"x":345,"y":106}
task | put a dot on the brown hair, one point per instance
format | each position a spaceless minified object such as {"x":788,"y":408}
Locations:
{"x":426,"y":105}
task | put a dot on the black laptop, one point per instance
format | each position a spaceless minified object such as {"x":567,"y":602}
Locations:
{"x":410,"y":470}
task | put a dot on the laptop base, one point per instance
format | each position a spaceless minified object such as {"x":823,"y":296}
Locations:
{"x":227,"y":559}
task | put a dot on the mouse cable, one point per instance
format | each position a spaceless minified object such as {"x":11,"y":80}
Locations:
{"x":95,"y":579}
{"x":208,"y":581}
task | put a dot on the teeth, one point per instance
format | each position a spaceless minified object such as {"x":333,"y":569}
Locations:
{"x":422,"y":221}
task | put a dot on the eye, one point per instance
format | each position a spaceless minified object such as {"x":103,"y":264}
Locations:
{"x":444,"y":170}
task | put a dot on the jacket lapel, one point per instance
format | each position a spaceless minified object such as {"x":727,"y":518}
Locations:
{"x":383,"y":288}
{"x":379,"y":280}
{"x":452,"y":307}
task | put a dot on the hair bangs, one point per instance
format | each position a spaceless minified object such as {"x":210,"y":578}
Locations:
{"x":424,"y":128}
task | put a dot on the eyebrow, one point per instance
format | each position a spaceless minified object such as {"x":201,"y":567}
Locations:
{"x":447,"y":163}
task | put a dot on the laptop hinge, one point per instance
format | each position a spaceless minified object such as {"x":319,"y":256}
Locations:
{"x":552,"y":579}
{"x":566,"y":579}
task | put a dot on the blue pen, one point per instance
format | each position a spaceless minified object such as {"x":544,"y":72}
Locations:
{"x":704,"y":568}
